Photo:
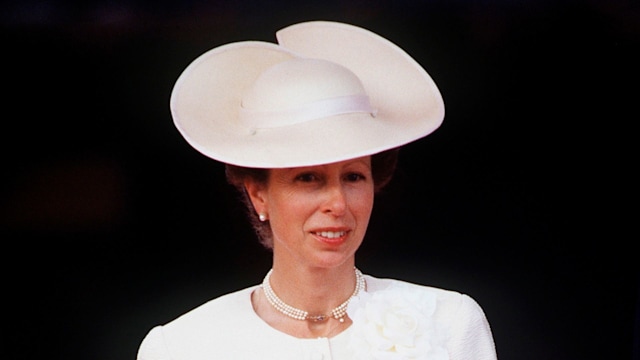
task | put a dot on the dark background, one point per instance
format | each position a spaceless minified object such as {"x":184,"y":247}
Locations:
{"x":523,"y":199}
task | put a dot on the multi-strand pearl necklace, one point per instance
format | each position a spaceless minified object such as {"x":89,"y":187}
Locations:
{"x":338,"y":312}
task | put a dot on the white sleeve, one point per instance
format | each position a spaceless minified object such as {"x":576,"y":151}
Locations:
{"x":153,"y":346}
{"x":471,"y":335}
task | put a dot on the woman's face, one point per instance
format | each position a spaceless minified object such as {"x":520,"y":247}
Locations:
{"x":318,"y":214}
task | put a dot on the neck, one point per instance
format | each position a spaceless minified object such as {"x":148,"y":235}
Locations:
{"x":315,"y":290}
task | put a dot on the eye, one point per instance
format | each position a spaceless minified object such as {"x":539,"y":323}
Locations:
{"x":306,"y":177}
{"x":355,"y":177}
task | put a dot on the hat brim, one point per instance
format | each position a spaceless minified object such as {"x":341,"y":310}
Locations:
{"x":206,"y":99}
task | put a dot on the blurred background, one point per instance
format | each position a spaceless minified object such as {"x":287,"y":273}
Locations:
{"x":523,"y":199}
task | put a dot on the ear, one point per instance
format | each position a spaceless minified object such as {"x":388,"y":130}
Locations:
{"x":257,"y":195}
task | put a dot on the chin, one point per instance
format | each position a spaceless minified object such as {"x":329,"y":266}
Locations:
{"x":328,"y":260}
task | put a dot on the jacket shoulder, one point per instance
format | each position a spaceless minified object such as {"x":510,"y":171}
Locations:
{"x":189,"y":335}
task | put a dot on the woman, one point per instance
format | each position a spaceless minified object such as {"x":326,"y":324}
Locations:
{"x":309,"y":130}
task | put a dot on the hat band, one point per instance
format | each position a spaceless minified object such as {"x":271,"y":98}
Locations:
{"x":261,"y":119}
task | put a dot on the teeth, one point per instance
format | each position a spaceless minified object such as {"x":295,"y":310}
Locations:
{"x":332,"y":234}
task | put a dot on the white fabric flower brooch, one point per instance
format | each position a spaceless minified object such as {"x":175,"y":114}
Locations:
{"x":396,"y":323}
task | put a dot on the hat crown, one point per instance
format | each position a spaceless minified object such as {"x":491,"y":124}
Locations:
{"x":297,"y":82}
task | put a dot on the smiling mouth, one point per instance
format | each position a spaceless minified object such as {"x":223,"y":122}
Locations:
{"x":331,"y":234}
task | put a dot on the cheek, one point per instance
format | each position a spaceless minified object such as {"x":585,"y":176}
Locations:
{"x":362,"y":202}
{"x":290,"y":209}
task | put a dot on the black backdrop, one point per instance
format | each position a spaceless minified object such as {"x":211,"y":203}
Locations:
{"x":522,"y":199}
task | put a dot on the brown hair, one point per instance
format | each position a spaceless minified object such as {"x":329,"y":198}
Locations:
{"x":382,"y":168}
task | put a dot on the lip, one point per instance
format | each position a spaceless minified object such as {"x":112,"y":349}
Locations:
{"x":331,"y":236}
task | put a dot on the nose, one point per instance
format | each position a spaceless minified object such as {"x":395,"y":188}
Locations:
{"x":336,"y":200}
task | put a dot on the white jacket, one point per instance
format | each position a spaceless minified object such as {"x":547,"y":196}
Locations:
{"x":228,"y":328}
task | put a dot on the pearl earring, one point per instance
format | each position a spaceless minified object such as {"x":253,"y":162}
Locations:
{"x":262,"y":217}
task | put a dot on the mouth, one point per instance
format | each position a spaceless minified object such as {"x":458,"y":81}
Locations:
{"x":332,"y":237}
{"x":330,"y":234}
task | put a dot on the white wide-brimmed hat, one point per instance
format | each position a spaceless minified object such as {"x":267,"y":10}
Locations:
{"x":326,"y":92}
